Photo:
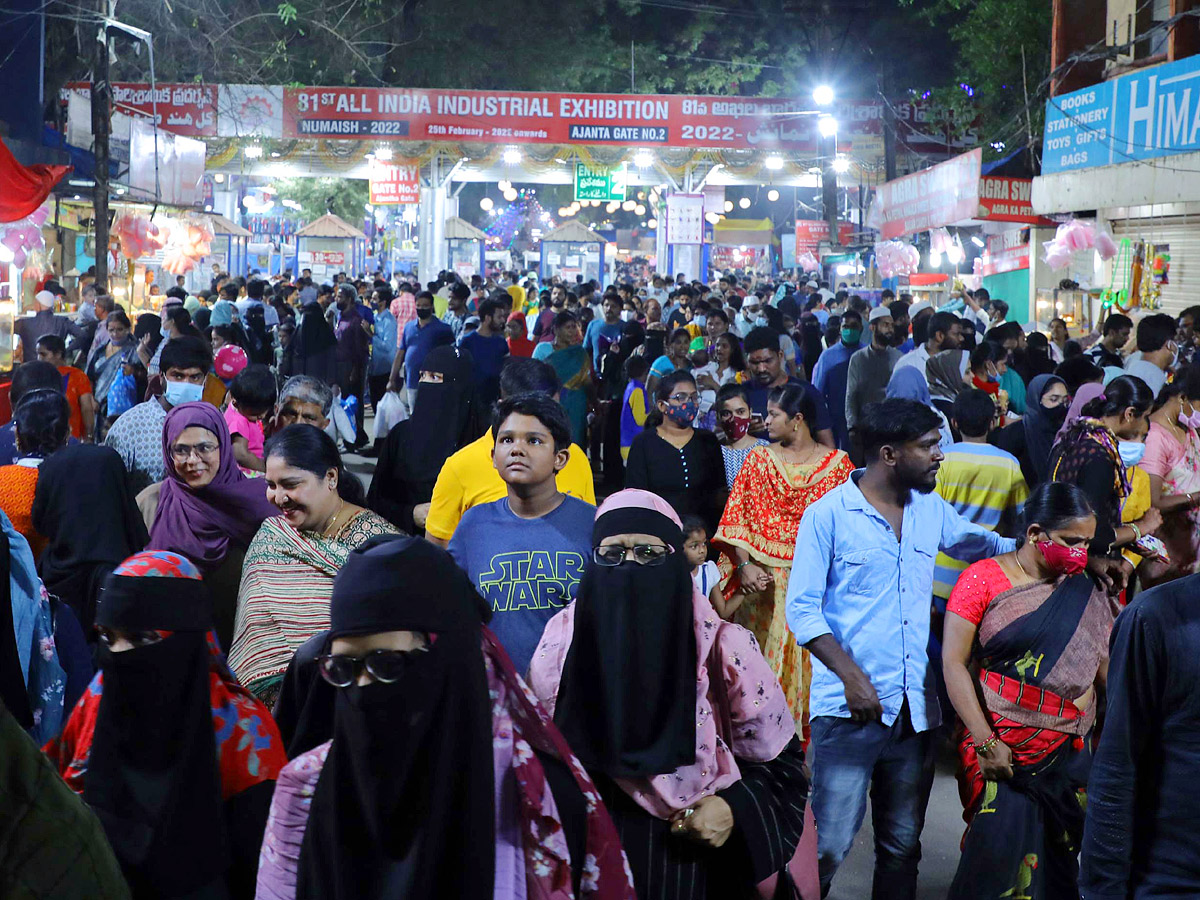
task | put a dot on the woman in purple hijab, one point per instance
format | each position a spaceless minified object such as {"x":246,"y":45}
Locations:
{"x":207,"y":509}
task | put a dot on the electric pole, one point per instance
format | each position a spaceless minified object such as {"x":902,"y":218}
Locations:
{"x":101,"y":127}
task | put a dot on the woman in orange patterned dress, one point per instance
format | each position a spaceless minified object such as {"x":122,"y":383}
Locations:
{"x":42,"y":424}
{"x":758,"y":531}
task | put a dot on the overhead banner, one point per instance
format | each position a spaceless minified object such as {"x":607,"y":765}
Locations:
{"x":1146,"y":114}
{"x":1006,"y":252}
{"x":1004,"y":199}
{"x":810,"y":233}
{"x":187,"y":109}
{"x":940,"y":195}
{"x":394,"y":184}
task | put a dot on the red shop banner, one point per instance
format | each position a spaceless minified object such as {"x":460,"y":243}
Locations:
{"x":392,"y":184}
{"x":810,"y":233}
{"x":188,"y":109}
{"x":1006,"y":252}
{"x":937,"y":196}
{"x":516,"y":117}
{"x":1004,"y":199}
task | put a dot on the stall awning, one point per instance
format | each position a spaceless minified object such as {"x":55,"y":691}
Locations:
{"x":330,"y":226}
{"x":222,"y":225}
{"x":744,"y":233}
{"x":461,"y":230}
{"x":575,"y":232}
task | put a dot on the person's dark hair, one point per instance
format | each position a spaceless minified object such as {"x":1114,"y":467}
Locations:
{"x":1190,"y":378}
{"x":1177,"y":388}
{"x":893,"y":422}
{"x":973,"y":412}
{"x":537,"y":406}
{"x":987,"y":352}
{"x":852,"y":315}
{"x":981,"y":294}
{"x":898,"y":308}
{"x":939,"y":321}
{"x":762,"y":338}
{"x":118,"y":316}
{"x":255,"y":288}
{"x":564,"y":318}
{"x":227,"y":333}
{"x":34,"y":375}
{"x":385,"y":294}
{"x":186,"y":352}
{"x":1072,"y":348}
{"x":254,"y":388}
{"x":175,"y":291}
{"x":1035,"y":340}
{"x":737,"y":359}
{"x":1155,"y":332}
{"x":636,"y":367}
{"x":1000,"y":307}
{"x":459,"y":291}
{"x":309,"y":448}
{"x":718,"y":313}
{"x":179,"y":317}
{"x":728,"y":392}
{"x":668,"y":383}
{"x":525,"y":375}
{"x":1054,"y":505}
{"x":488,"y":307}
{"x":53,"y":344}
{"x":1078,"y":371}
{"x":1120,"y":394}
{"x":1116,"y":322}
{"x":42,"y":421}
{"x":229,"y":291}
{"x":680,"y":333}
{"x":692,"y":523}
{"x":1191,"y":311}
{"x":796,"y":400}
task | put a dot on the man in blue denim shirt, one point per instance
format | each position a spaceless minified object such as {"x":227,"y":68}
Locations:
{"x":859,"y":600}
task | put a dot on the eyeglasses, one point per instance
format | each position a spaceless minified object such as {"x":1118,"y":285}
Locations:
{"x":684,"y":398}
{"x":386,"y":666}
{"x":643,"y":554}
{"x":182,"y":452}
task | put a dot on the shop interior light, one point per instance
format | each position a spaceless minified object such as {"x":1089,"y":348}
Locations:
{"x":822,"y":95}
{"x":254,"y":151}
{"x":772,"y":195}
{"x":510,"y":195}
{"x":383,"y":153}
{"x":612,"y":207}
{"x":629,"y":205}
{"x":652,"y":224}
{"x":643,"y":159}
{"x":774,"y":163}
{"x":935,"y":259}
{"x":728,"y":206}
{"x":486,"y":203}
{"x":219,"y":178}
{"x":840,"y":165}
{"x":512,"y":156}
{"x":744,"y":203}
{"x":639,"y":210}
{"x":712,"y":218}
{"x":977,"y":241}
{"x":504,"y":185}
{"x":827,"y":125}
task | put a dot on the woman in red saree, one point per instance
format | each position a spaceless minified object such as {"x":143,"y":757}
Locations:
{"x":1037,"y":630}
{"x":758,"y":531}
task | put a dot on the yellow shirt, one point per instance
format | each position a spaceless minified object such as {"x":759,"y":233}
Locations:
{"x":468,"y":479}
{"x":1136,"y":505}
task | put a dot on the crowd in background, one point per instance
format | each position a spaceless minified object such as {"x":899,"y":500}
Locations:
{"x":832,"y":532}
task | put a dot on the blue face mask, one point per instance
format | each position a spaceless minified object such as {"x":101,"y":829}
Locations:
{"x":1131,"y":452}
{"x":760,"y":322}
{"x":165,"y":332}
{"x":700,"y":321}
{"x":178,"y":392}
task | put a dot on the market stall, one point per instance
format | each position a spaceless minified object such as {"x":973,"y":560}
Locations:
{"x":465,"y":248}
{"x":230,"y":246}
{"x":742,"y":244}
{"x":328,"y":246}
{"x":571,"y":249}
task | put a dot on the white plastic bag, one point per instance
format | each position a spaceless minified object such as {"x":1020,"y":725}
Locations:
{"x":388,"y":413}
{"x":341,"y":425}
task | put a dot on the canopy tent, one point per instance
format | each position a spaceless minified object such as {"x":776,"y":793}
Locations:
{"x":465,"y":248}
{"x":231,"y":240}
{"x":329,"y":245}
{"x":571,"y":249}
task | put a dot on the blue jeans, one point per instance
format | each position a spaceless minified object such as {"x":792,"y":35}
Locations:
{"x":896,"y":764}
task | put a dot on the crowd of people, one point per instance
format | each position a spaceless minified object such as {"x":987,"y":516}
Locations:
{"x":630,"y":562}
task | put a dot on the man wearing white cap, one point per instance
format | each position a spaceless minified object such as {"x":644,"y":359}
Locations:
{"x":870,"y":368}
{"x":44,"y":321}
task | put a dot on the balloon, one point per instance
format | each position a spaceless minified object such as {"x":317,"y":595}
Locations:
{"x":1105,"y":245}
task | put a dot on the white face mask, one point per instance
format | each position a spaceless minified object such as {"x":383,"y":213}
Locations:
{"x":627,"y":315}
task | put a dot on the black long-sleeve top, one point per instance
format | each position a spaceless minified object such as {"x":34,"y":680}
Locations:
{"x":691,"y":478}
{"x":1142,"y":836}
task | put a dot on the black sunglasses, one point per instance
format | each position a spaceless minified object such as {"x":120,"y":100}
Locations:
{"x":386,"y":666}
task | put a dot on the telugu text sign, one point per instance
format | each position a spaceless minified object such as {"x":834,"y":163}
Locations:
{"x":598,"y":184}
{"x":940,"y":195}
{"x":393,"y":184}
{"x":1151,"y":113}
{"x":187,"y":109}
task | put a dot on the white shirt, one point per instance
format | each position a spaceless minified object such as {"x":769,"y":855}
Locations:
{"x":918,"y":357}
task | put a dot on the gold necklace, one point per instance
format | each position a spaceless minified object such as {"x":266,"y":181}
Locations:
{"x":325,"y":531}
{"x":1017,"y":559}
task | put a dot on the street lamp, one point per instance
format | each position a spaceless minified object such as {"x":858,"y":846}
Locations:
{"x":774,"y":163}
{"x":827,"y":125}
{"x":840,"y":164}
{"x":512,"y":156}
{"x":486,"y":203}
{"x":383,"y":153}
{"x":823,"y":95}
{"x":643,"y":159}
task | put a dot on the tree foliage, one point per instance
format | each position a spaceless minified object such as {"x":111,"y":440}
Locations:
{"x":344,"y":197}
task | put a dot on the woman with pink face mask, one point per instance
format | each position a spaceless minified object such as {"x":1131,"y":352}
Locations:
{"x":1172,"y":460}
{"x":1036,"y":628}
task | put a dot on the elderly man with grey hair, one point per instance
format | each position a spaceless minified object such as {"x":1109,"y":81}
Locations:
{"x":306,"y":400}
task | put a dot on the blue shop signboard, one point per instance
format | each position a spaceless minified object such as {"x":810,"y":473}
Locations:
{"x":1143,"y":115}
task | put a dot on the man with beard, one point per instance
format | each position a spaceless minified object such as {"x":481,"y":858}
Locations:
{"x":858,"y":599}
{"x":767,"y":371}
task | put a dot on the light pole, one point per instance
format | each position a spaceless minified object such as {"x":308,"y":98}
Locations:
{"x":827,"y":127}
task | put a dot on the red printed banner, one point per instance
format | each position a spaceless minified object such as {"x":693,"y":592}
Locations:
{"x":1007,"y":252}
{"x":394,"y":184}
{"x":189,"y":109}
{"x":937,"y":196}
{"x":1004,"y":199}
{"x":810,"y":233}
{"x":328,"y":258}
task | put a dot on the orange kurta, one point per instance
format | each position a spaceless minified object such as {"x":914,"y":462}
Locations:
{"x":17,"y":486}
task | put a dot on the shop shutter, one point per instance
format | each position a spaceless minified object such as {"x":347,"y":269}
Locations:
{"x":1183,"y":237}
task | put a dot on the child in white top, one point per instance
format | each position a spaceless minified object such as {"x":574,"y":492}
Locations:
{"x":705,"y":575}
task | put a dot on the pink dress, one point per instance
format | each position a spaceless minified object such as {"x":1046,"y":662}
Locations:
{"x":1178,"y":465}
{"x":251,"y":431}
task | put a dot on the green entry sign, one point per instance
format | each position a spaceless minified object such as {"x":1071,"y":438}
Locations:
{"x":595,"y":184}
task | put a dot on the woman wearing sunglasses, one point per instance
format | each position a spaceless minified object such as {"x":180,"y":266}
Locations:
{"x":676,"y":716}
{"x":444,"y":778}
{"x":183,"y":820}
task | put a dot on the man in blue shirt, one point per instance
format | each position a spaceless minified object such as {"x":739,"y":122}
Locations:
{"x":859,"y":600}
{"x":383,"y":344}
{"x":488,"y":349}
{"x":526,"y":552}
{"x":420,"y":336}
{"x":829,"y":375}
{"x":601,"y":333}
